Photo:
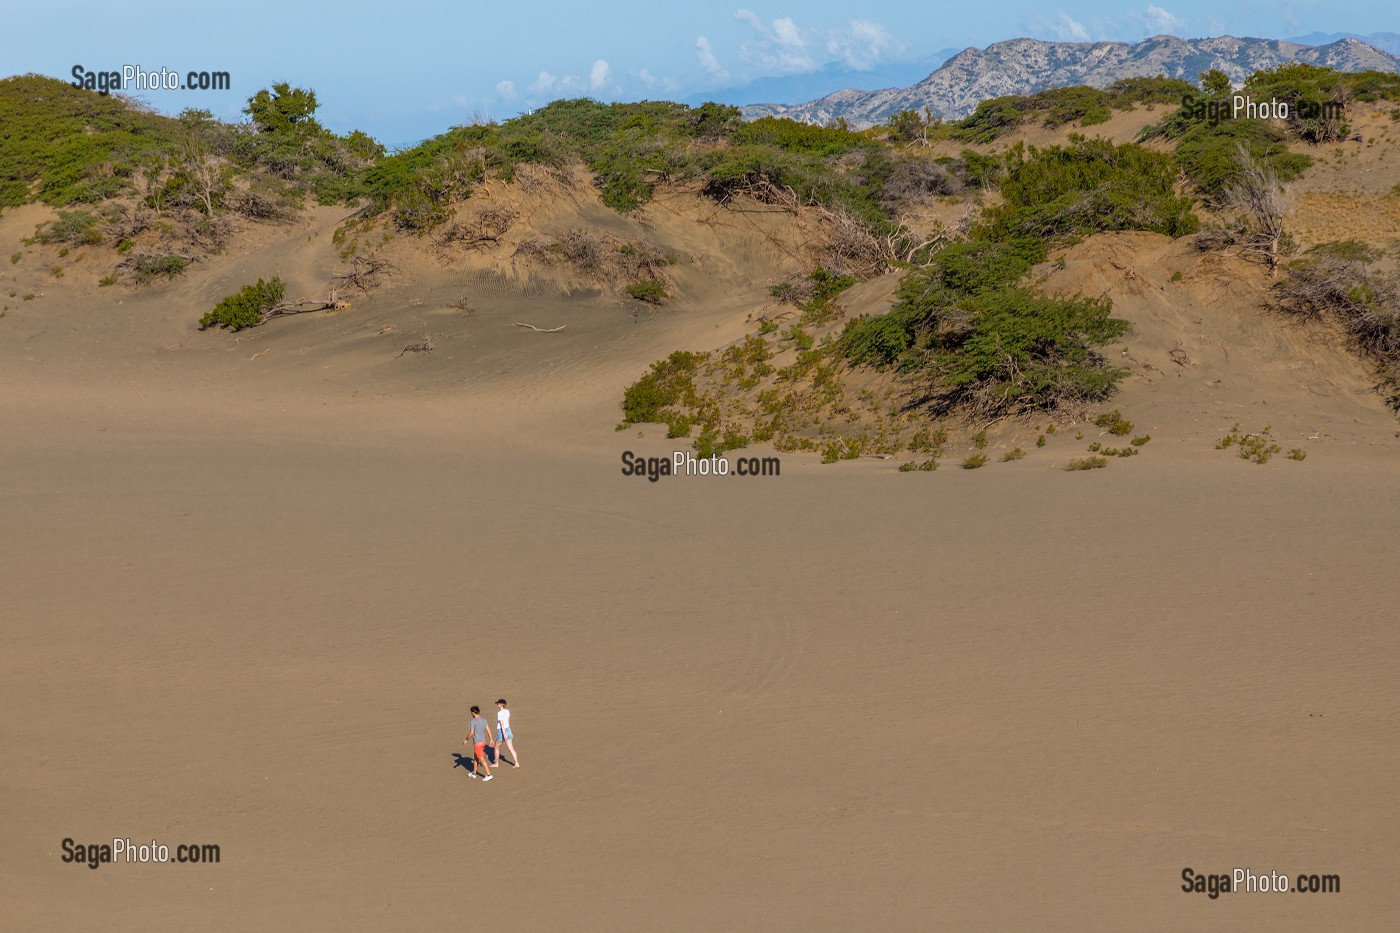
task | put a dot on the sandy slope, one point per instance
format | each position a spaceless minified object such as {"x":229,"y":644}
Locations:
{"x":251,"y":586}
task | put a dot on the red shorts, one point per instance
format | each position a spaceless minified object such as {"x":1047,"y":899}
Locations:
{"x":480,"y":749}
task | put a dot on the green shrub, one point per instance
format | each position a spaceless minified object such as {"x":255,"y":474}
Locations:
{"x":1088,"y":186}
{"x":78,"y":228}
{"x":1141,"y":439}
{"x":1016,"y":454}
{"x":1021,"y":351}
{"x":974,"y":461}
{"x":879,"y":339}
{"x":246,"y":308}
{"x":1297,"y":453}
{"x":1087,"y":463}
{"x":652,"y":291}
{"x":669,"y":382}
{"x":149,"y":268}
{"x":1209,"y":155}
{"x":679,"y":426}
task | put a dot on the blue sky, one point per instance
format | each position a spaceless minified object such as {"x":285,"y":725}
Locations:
{"x":403,"y":71}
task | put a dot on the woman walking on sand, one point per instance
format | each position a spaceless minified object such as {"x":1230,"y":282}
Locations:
{"x":503,"y":734}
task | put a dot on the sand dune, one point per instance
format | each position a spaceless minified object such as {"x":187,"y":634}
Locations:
{"x":252,"y":583}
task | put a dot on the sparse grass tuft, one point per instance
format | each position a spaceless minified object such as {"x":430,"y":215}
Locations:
{"x":1087,"y":463}
{"x":921,"y":466}
{"x":974,"y":461}
{"x":1297,"y":453}
{"x":1114,"y":422}
{"x":1016,"y":454}
{"x":1257,"y":447}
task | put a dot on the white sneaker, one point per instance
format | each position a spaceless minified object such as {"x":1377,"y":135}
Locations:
{"x":472,"y":775}
{"x":487,"y":778}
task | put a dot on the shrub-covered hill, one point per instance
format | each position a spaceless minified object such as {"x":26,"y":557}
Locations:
{"x":965,"y":211}
{"x":65,"y":146}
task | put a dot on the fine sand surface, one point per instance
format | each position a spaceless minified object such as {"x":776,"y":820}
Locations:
{"x":250,"y":588}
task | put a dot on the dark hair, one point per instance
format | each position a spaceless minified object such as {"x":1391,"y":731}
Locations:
{"x":476,"y":709}
{"x":502,"y":702}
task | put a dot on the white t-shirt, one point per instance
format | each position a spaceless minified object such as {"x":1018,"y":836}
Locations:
{"x":503,"y":718}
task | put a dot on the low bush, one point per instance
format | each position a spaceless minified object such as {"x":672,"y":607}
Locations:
{"x":77,"y":228}
{"x":1345,"y":282}
{"x":669,"y":382}
{"x":652,"y":291}
{"x":1088,"y":186}
{"x":247,"y":308}
{"x":148,"y":268}
{"x":1115,"y":423}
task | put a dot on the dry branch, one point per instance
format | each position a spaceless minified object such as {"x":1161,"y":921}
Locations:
{"x":364,"y":271}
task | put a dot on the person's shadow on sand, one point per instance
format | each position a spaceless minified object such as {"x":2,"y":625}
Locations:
{"x":462,"y":761}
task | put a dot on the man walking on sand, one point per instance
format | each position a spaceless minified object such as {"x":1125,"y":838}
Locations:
{"x":478,"y":734}
{"x":503,"y":734}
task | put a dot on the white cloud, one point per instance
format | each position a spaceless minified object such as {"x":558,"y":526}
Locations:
{"x":777,"y":48}
{"x":544,"y":83}
{"x":558,"y":85}
{"x":653,"y":82}
{"x":599,"y":75}
{"x":1159,"y":21}
{"x":505,"y":89}
{"x":750,"y":19}
{"x":1067,"y":29}
{"x":785,"y":31}
{"x":706,"y":53}
{"x":863,"y":44}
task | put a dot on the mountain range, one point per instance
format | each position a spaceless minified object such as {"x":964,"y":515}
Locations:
{"x":1024,"y":66}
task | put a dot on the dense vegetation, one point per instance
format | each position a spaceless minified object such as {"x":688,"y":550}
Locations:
{"x":68,"y":146}
{"x":1080,"y":104}
{"x":631,"y":148}
{"x":1208,"y":137}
